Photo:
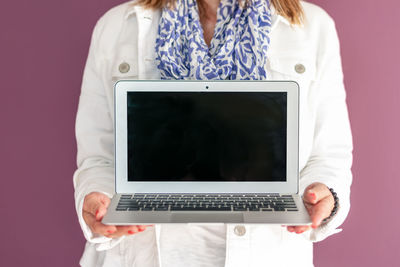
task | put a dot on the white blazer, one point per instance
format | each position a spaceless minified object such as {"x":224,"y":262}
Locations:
{"x":308,"y":54}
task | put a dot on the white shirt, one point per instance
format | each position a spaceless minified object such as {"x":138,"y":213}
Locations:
{"x":126,"y":34}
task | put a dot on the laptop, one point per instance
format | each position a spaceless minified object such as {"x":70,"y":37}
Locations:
{"x":206,"y":152}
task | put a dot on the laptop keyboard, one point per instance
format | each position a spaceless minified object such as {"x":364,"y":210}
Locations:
{"x":206,"y":202}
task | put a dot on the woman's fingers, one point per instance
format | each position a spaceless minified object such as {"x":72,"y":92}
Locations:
{"x":96,"y":226}
{"x":318,"y":212}
{"x":95,"y":207}
{"x":123,"y":230}
{"x":319,"y":202}
{"x":321,"y":210}
{"x":315,"y":192}
{"x":142,"y":227}
{"x":111,"y":231}
{"x":298,"y":229}
{"x":96,"y":203}
{"x":127,"y":230}
{"x":101,"y":211}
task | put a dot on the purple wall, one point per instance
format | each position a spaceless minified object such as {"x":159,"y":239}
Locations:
{"x":43,"y":49}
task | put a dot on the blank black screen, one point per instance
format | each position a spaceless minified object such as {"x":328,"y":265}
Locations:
{"x":207,"y":136}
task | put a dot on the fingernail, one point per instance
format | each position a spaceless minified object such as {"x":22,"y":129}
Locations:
{"x":110,"y":231}
{"x":131,"y":232}
{"x":313,"y":196}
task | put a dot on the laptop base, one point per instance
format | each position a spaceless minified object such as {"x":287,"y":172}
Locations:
{"x":113,"y":217}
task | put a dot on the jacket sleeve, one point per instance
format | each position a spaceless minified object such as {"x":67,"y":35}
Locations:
{"x":331,"y":157}
{"x":95,"y":142}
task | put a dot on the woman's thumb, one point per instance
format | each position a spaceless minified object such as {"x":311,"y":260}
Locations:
{"x":93,"y":204}
{"x":310,"y":195}
{"x":101,"y":211}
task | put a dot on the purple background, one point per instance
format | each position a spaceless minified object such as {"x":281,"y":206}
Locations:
{"x":44,"y":46}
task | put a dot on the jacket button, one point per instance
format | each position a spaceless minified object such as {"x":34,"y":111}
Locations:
{"x":299,"y":68}
{"x":239,"y":230}
{"x":124,"y":67}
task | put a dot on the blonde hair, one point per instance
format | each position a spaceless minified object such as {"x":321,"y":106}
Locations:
{"x":290,"y":9}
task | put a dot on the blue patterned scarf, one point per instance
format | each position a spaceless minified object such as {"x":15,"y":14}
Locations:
{"x":237,"y":50}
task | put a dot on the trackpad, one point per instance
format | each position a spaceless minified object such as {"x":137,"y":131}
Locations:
{"x":206,"y":217}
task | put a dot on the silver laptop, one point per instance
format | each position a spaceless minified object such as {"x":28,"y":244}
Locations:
{"x":206,"y":152}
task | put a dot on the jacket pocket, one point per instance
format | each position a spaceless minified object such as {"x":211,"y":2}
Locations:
{"x":125,"y":63}
{"x":299,"y":68}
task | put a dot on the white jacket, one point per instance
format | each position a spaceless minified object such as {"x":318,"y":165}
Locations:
{"x":308,"y":54}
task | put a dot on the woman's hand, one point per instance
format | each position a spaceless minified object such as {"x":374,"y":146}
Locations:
{"x":95,"y":207}
{"x":319,"y":202}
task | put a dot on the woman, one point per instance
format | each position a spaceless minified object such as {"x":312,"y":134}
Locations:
{"x":281,"y":40}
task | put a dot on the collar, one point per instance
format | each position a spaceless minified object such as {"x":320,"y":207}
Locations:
{"x":148,"y":13}
{"x":276,"y":18}
{"x":132,"y":9}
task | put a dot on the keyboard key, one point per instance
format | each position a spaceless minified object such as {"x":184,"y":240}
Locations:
{"x":266,"y":209}
{"x":226,"y":208}
{"x":128,"y":201}
{"x":239,"y":209}
{"x":127,"y":206}
{"x":161,"y":208}
{"x":187,"y":208}
{"x":288,"y":201}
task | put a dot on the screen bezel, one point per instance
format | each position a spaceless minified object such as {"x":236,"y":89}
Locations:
{"x":122,"y":185}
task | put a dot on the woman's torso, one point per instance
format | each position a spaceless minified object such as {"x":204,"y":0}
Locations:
{"x":126,"y":51}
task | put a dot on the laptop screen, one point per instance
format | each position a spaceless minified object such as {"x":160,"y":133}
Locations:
{"x":207,"y":136}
